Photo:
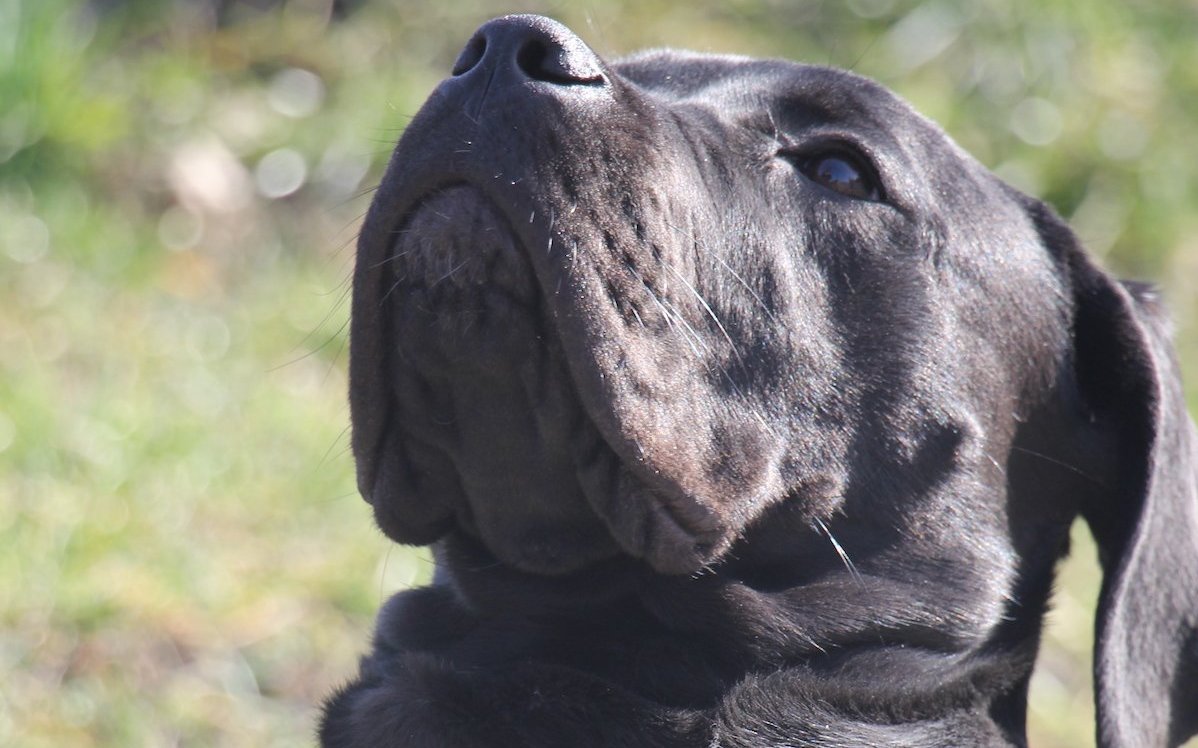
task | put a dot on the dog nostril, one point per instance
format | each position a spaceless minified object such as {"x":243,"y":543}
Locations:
{"x":471,"y":55}
{"x":556,"y":62}
{"x":531,"y":59}
{"x":529,"y":48}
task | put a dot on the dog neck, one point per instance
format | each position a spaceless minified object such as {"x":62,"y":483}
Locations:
{"x":708,"y":631}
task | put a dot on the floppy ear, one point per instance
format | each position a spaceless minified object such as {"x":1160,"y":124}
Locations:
{"x":1146,"y":654}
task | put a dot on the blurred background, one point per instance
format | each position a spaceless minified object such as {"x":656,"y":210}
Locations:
{"x":184,"y":559}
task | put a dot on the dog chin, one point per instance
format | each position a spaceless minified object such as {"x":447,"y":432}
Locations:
{"x":490,"y":431}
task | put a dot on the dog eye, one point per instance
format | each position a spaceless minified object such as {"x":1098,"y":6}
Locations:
{"x":841,"y":172}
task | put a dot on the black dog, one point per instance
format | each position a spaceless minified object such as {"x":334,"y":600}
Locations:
{"x":745,"y":409}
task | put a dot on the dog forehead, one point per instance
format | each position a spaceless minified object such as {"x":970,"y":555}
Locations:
{"x":792,"y":103}
{"x":737,"y":85}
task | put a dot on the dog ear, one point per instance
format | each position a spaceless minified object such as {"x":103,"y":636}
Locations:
{"x":1146,"y":527}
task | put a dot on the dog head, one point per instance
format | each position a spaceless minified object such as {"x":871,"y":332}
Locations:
{"x":685,"y":311}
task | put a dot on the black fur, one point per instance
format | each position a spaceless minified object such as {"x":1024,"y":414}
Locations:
{"x":743,"y":408}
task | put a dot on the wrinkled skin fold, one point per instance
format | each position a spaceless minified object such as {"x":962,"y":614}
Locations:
{"x":742,"y":408}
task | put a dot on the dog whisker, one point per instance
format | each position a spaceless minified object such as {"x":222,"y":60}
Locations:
{"x":317,"y":349}
{"x":452,"y":271}
{"x":673,"y":312}
{"x":769,"y":113}
{"x":756,"y":297}
{"x":1060,"y":463}
{"x":391,"y":290}
{"x":328,"y":452}
{"x":735,"y":350}
{"x":677,"y":314}
{"x":998,"y":466}
{"x":708,"y":252}
{"x":383,"y":574}
{"x":686,"y":332}
{"x":844,"y":557}
{"x":392,"y":258}
{"x":670,"y":314}
{"x":706,"y":307}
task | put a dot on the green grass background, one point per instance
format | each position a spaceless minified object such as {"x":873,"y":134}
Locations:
{"x":183,"y":556}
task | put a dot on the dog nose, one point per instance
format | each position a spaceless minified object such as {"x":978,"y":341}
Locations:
{"x":530,"y":48}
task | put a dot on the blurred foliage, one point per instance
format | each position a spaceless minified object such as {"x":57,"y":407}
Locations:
{"x":186,"y":561}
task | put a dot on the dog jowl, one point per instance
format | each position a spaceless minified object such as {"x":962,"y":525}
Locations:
{"x":742,"y":408}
